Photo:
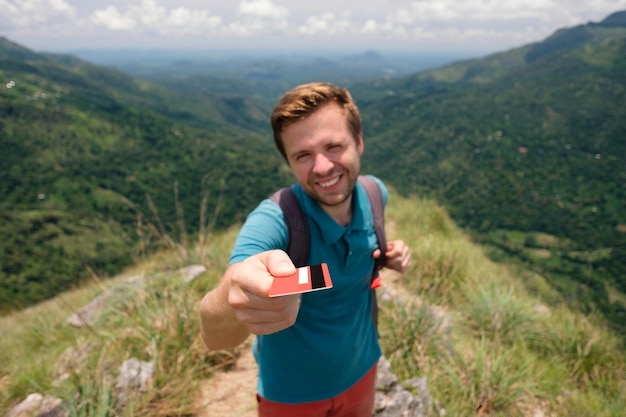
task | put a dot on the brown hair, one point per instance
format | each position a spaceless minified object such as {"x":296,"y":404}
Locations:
{"x":304,"y":100}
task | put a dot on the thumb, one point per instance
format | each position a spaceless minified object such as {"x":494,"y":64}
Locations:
{"x":277,"y":263}
{"x":376,"y":254}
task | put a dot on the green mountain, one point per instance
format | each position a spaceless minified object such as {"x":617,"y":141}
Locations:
{"x":526,"y":149}
{"x":98,"y":167}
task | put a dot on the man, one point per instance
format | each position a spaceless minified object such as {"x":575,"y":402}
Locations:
{"x":317,"y":352}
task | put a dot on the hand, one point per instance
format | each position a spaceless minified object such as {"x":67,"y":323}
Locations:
{"x":398,"y":256}
{"x":250,"y":283}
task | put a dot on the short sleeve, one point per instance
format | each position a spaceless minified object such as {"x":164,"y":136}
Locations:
{"x":263,"y":230}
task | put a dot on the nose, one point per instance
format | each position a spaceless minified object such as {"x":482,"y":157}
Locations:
{"x":323,"y":165}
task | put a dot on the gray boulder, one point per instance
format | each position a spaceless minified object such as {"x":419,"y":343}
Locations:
{"x":394,"y":400}
{"x":37,"y":405}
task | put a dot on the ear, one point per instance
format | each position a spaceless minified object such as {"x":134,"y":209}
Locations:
{"x":360,"y":146}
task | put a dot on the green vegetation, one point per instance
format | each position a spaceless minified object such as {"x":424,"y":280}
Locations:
{"x":154,"y":320}
{"x":526,"y":141}
{"x":92,"y":157}
{"x":524,"y":148}
{"x":490,"y":339}
{"x":493,"y":339}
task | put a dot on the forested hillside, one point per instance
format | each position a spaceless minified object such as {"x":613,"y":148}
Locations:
{"x":527,"y":150}
{"x":98,"y":167}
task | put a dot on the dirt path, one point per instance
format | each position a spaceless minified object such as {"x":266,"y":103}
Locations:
{"x":232,"y":393}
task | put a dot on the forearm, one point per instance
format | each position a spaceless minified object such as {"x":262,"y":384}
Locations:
{"x":220,"y":329}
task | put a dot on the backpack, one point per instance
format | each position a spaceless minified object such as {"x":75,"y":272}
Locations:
{"x":299,"y":239}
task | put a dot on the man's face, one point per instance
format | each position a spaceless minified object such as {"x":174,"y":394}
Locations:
{"x":324,"y":156}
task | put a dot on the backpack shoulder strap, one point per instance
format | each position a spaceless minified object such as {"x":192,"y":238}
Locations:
{"x":299,"y":241}
{"x":378,"y":212}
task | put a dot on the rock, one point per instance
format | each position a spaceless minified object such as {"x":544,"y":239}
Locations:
{"x":87,"y":314}
{"x":135,"y":377}
{"x":385,"y":379}
{"x":191,"y":272}
{"x":393,"y":400}
{"x":71,"y":362}
{"x":37,"y":405}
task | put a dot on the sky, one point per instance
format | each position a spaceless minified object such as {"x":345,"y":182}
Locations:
{"x":419,"y":25}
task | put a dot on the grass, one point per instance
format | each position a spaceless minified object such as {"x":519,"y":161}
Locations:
{"x":491,"y":339}
{"x":513,"y":347}
{"x":154,"y":320}
{"x":488,"y":379}
{"x":497,"y":312}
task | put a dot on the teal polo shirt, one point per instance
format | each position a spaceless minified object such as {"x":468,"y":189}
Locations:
{"x":333,"y":343}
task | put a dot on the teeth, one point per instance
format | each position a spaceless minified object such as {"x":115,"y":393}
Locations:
{"x":329,"y":183}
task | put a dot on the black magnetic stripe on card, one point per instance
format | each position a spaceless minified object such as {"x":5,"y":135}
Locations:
{"x":317,"y":277}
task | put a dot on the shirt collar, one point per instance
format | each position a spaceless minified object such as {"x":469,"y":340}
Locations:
{"x":331,"y":231}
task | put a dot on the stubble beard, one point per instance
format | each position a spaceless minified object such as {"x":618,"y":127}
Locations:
{"x":335,"y":203}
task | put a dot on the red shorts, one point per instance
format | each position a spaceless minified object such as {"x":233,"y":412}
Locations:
{"x":356,"y":401}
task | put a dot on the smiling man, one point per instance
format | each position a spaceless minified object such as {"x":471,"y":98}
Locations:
{"x":317,"y":352}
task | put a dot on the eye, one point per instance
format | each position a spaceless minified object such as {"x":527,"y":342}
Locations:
{"x":301,"y":156}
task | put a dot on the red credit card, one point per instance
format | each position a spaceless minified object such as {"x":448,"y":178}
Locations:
{"x":306,"y":279}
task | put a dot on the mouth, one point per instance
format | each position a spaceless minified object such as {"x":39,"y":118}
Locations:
{"x":329,"y":182}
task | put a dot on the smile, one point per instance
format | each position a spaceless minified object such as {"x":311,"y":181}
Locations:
{"x":329,"y":183}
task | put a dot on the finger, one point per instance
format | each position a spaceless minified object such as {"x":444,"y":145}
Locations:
{"x":280,"y":314}
{"x":405,"y":265}
{"x":270,"y":309}
{"x":256,"y":274}
{"x":269,"y":328}
{"x":406,"y":261}
{"x":393,"y":248}
{"x":277,"y":263}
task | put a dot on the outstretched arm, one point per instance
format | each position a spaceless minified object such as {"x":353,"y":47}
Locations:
{"x":240,"y":304}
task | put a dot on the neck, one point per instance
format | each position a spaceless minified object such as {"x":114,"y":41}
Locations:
{"x":341,"y":214}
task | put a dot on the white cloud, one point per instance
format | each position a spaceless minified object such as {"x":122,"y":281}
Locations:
{"x":152,"y":17}
{"x":329,"y":24}
{"x":112,"y":19}
{"x":486,"y":10}
{"x":370,"y":27}
{"x":62,"y":6}
{"x":486,"y":24}
{"x":452,"y":20}
{"x":402,"y":17}
{"x":34,"y":13}
{"x":258,"y":17}
{"x":482,"y":22}
{"x":264,"y":9}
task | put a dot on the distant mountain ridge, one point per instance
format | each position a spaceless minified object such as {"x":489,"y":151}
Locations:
{"x":501,"y":64}
{"x":615,"y":19}
{"x":10,"y":49}
{"x":570,"y":39}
